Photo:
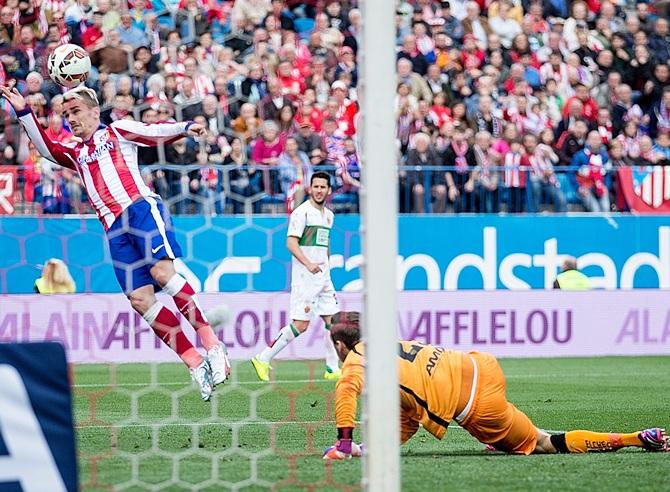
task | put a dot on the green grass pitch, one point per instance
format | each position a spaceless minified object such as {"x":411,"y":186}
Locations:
{"x":142,"y":427}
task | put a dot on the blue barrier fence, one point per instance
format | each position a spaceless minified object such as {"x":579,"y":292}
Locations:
{"x":436,"y":252}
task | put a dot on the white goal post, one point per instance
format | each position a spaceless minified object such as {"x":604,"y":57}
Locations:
{"x":381,"y":466}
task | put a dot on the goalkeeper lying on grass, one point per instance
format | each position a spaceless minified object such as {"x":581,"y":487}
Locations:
{"x":439,"y":385}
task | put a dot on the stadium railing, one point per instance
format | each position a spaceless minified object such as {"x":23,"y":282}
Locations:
{"x":212,"y":190}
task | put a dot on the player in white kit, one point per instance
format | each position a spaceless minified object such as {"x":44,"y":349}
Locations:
{"x":312,"y":291}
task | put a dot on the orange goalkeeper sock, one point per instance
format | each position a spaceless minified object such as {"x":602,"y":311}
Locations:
{"x":581,"y":441}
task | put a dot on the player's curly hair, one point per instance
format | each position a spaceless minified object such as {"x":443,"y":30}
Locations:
{"x":345,"y":328}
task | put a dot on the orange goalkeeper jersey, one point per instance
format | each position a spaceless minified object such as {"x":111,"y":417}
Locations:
{"x":430,"y":387}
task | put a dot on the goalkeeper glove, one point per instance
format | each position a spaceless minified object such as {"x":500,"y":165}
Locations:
{"x":344,"y":447}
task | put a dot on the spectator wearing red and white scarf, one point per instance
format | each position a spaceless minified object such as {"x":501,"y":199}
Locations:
{"x":604,"y":125}
{"x":291,"y":82}
{"x":515,"y":176}
{"x":486,"y":176}
{"x":202,"y":85}
{"x":424,"y":43}
{"x":517,"y":113}
{"x":347,"y":109}
{"x":34,"y":50}
{"x":625,"y":110}
{"x":556,"y":69}
{"x":592,"y":164}
{"x":460,"y":180}
{"x":660,"y":115}
{"x":172,"y":60}
{"x":516,"y":166}
{"x":630,"y":139}
{"x":333,"y":142}
{"x":542,"y":159}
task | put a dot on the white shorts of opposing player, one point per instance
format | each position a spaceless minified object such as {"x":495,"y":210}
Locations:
{"x":312,"y":294}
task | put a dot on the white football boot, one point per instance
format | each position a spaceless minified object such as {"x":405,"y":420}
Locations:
{"x":219,"y":363}
{"x":202,"y":375}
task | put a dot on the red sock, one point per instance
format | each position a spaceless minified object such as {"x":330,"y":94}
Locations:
{"x":188,"y":305}
{"x":165,"y":325}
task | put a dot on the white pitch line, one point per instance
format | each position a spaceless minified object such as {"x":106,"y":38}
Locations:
{"x":188,"y":383}
{"x":205,"y":424}
{"x":238,"y":423}
{"x":241,"y":423}
{"x":225,"y":424}
{"x":323,"y":381}
{"x":590,"y":374}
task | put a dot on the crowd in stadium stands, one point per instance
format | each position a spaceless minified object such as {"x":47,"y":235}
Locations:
{"x":514,"y":105}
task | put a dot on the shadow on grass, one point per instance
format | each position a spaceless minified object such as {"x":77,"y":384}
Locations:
{"x":466,"y":453}
{"x":629,"y":452}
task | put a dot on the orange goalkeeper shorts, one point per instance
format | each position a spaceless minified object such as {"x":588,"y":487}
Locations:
{"x":492,"y":419}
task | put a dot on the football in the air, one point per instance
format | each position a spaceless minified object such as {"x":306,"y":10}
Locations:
{"x":69,"y":65}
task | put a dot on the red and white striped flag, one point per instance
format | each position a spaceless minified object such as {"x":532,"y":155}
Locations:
{"x":646,"y":189}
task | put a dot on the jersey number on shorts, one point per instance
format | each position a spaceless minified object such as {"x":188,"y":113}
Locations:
{"x":411,"y":355}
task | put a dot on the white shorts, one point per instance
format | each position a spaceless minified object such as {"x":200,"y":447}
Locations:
{"x":313,"y":297}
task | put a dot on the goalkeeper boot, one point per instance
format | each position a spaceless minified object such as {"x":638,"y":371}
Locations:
{"x":202,"y":375}
{"x":218,"y":361}
{"x":262,"y":369}
{"x":332,"y":374}
{"x":655,"y":440}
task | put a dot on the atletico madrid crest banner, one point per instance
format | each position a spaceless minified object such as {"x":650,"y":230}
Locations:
{"x":646,"y":189}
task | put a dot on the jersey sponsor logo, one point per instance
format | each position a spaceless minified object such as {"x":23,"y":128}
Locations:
{"x":95,"y":155}
{"x":322,"y":236}
{"x":432,"y":360}
{"x":157,"y":248}
{"x":315,"y":235}
{"x":598,"y":445}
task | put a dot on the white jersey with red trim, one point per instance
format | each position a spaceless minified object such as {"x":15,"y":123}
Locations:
{"x":107,"y":162}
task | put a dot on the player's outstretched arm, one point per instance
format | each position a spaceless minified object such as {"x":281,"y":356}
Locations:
{"x":149,"y":135}
{"x":349,"y":387}
{"x":53,"y":151}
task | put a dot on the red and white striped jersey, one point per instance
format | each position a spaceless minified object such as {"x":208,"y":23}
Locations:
{"x":107,"y":162}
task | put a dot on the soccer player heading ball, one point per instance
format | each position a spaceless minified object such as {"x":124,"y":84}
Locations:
{"x":439,"y":385}
{"x":312,"y":290}
{"x":139,"y":229}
